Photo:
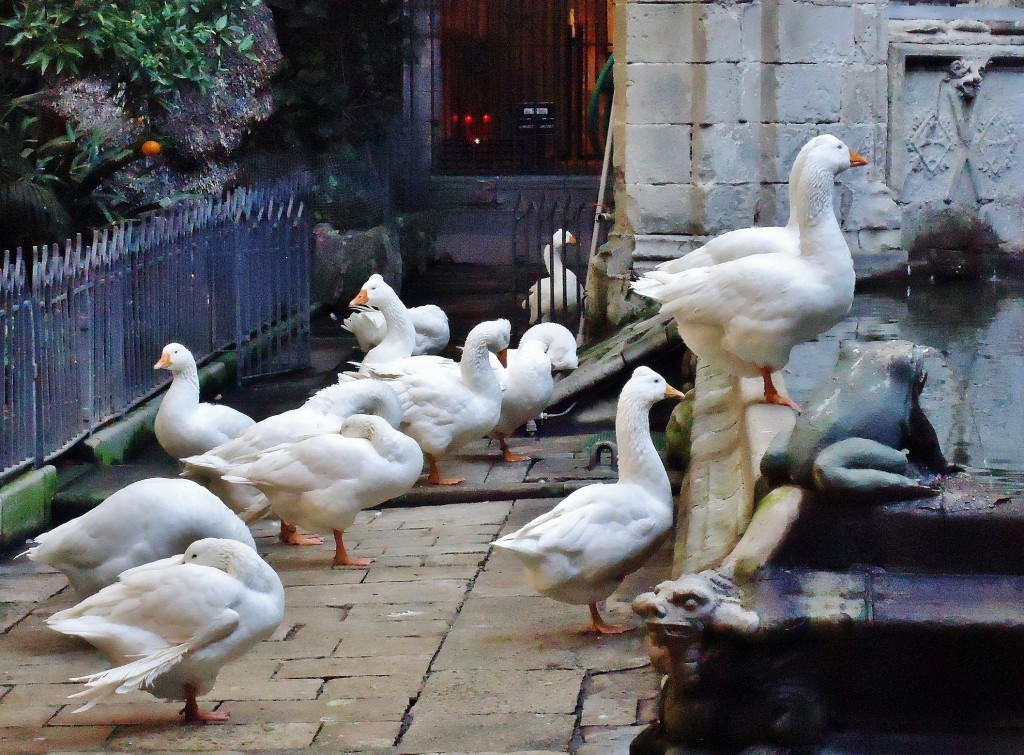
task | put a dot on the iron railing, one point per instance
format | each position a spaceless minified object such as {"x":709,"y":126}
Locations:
{"x":551,"y":292}
{"x":82,"y":326}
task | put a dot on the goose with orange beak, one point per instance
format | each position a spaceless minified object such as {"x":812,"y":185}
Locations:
{"x":744,"y":316}
{"x":581,"y":550}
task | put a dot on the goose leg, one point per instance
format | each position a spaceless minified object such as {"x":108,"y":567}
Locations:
{"x":289,"y":536}
{"x":598,"y":625}
{"x":772,"y":395}
{"x":193,"y":714}
{"x":435,"y":477}
{"x":508,"y":453}
{"x":341,"y":557}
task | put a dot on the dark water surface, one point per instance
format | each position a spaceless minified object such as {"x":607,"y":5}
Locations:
{"x":975,"y":391}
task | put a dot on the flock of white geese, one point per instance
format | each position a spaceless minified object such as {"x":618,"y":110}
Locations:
{"x":172,"y":587}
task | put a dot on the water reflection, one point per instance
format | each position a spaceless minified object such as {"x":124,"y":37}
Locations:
{"x":975,"y":392}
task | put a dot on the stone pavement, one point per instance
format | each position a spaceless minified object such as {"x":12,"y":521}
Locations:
{"x":437,"y":647}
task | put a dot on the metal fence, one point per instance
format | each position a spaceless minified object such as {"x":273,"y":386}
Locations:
{"x":552,"y":291}
{"x":82,"y":325}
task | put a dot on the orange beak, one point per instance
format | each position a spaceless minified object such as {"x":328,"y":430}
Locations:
{"x":856,"y":160}
{"x":570,"y":239}
{"x":163,"y":363}
{"x":503,"y":358}
{"x":671,"y":392}
{"x":361,"y":298}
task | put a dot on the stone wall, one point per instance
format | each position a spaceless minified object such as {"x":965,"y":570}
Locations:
{"x":719,"y":96}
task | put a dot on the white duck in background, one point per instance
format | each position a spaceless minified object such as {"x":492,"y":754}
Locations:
{"x":744,"y":316}
{"x":170,"y":625}
{"x":142,"y":522}
{"x":561,"y":281}
{"x":183,"y":426}
{"x":528,"y":383}
{"x":322,"y":413}
{"x":399,"y":338}
{"x":323,"y":482}
{"x":581,"y":550}
{"x":744,"y":242}
{"x":443,"y":409}
{"x":428,"y":320}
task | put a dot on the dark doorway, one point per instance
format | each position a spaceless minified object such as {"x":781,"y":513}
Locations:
{"x":516,"y":79}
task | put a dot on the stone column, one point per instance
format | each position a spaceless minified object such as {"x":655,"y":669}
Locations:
{"x":719,"y":97}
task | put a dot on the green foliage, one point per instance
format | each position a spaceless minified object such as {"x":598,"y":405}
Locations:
{"x":52,"y":186}
{"x":154,"y":46}
{"x":340,"y":82}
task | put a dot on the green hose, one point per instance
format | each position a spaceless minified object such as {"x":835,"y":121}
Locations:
{"x":604,"y":87}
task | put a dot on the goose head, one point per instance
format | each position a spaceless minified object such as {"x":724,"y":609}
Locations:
{"x":649,"y":387}
{"x":496,"y":335}
{"x":236,"y":559}
{"x":827,"y":152}
{"x":365,"y":426}
{"x":175,"y":358}
{"x":374,"y":292}
{"x":561,"y":237}
{"x":560,"y":341}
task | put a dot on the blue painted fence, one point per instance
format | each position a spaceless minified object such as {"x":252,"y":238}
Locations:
{"x":82,"y":325}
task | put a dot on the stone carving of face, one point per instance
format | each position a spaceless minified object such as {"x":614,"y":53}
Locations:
{"x":966,"y":73}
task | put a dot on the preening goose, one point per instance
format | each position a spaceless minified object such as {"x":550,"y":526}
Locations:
{"x":170,"y":625}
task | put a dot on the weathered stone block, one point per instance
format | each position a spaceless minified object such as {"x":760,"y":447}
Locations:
{"x":659,"y":93}
{"x":658,"y":154}
{"x":1007,"y":221}
{"x":726,"y":153}
{"x":809,"y":33}
{"x":718,"y":101}
{"x":669,"y":208}
{"x":870,"y":32}
{"x":864,"y":97}
{"x":728,"y":207}
{"x":808,"y":92}
{"x":684,"y":33}
{"x":874,"y":208}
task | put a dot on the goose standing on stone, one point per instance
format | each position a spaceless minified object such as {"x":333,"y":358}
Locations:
{"x":171,"y":625}
{"x":183,"y":426}
{"x":142,"y":522}
{"x":561,"y":281}
{"x":323,"y":482}
{"x":443,"y":409}
{"x":528,"y":383}
{"x":322,"y":414}
{"x":581,"y":550}
{"x":744,"y":316}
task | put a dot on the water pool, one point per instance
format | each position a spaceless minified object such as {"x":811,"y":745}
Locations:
{"x":975,"y":391}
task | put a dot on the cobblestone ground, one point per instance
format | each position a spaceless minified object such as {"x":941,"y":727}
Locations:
{"x":437,"y":647}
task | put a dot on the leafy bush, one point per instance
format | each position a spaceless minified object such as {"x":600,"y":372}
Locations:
{"x":153,"y":45}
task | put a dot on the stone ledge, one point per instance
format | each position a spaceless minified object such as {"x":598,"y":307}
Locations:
{"x":25,"y":504}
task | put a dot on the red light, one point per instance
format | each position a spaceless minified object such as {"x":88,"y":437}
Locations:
{"x":455,"y":119}
{"x":467,"y":119}
{"x":487,"y":118}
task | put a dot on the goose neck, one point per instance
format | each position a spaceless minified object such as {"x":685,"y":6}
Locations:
{"x":184,"y":390}
{"x":400,"y":330}
{"x":475,"y":366}
{"x":639,"y":462}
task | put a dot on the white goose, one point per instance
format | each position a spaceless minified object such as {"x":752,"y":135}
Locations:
{"x":528,"y":383}
{"x":428,"y":320}
{"x":744,"y":242}
{"x":560,"y":343}
{"x":142,"y":522}
{"x":561,"y":281}
{"x":444,"y":409}
{"x":171,"y":625}
{"x":399,"y":337}
{"x":323,"y":482}
{"x":322,"y":413}
{"x":744,"y":316}
{"x":183,"y":426}
{"x":581,"y":550}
